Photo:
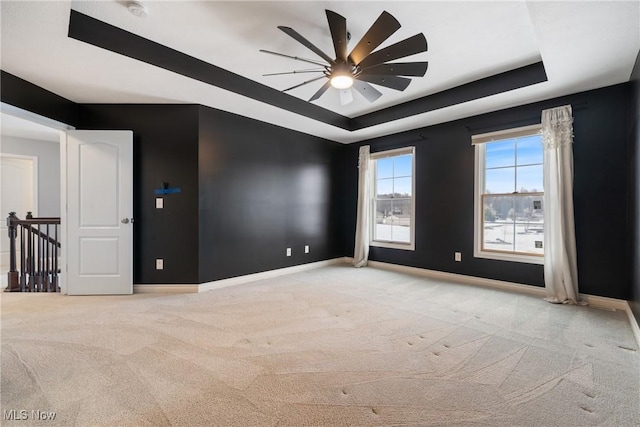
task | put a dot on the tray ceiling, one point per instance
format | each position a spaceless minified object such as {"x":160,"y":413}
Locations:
{"x":582,"y":46}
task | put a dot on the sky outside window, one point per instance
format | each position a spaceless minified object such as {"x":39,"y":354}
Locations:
{"x":394,"y":175}
{"x":514,"y":165}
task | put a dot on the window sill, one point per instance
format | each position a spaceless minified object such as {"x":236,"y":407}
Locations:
{"x":510,"y":257}
{"x":392,"y":245}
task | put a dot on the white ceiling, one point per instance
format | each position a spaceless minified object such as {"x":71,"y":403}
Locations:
{"x":11,"y":125}
{"x":584,"y":45}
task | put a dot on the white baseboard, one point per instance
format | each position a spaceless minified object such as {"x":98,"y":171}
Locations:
{"x":634,"y":323}
{"x":233,"y":281}
{"x":165,"y":289}
{"x":605,"y":302}
{"x":217,"y":284}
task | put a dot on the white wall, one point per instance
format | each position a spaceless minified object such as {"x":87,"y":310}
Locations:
{"x":48,"y":154}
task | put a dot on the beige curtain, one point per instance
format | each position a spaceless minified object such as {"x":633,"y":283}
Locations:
{"x":363,"y":221}
{"x":560,"y":260}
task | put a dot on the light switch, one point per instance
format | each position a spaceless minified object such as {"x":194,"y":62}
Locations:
{"x":159,"y":264}
{"x":159,"y":203}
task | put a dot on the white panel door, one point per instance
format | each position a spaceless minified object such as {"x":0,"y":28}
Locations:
{"x":18,"y":194}
{"x":99,"y":219}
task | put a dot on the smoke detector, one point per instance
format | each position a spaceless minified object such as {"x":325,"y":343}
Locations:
{"x":137,"y":9}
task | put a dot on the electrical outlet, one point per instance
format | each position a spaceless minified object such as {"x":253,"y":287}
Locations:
{"x":306,"y":249}
{"x":288,"y":251}
{"x":458,"y":256}
{"x":159,"y":203}
{"x":159,"y":264}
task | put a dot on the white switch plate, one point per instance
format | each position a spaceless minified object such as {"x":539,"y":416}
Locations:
{"x":159,"y":203}
{"x":306,"y":249}
{"x":159,"y":264}
{"x":288,"y":251}
{"x":458,"y":256}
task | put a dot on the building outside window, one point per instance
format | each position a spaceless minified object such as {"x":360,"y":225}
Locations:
{"x":509,"y":211}
{"x":393,"y":199}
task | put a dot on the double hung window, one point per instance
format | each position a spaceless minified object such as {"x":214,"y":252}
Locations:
{"x":509,"y":211}
{"x":393,"y":199}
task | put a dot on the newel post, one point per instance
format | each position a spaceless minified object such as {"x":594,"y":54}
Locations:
{"x":12,"y":275}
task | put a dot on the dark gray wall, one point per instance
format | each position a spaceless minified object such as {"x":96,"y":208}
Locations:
{"x":444,"y":193}
{"x":165,"y":149}
{"x":180,"y":144}
{"x":263,"y":189}
{"x":248,"y":191}
{"x":634,"y":191}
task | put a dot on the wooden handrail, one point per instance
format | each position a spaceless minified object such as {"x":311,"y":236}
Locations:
{"x":39,"y":254}
{"x":42,"y":235}
{"x":40,"y":220}
{"x":37,"y":221}
{"x":31,"y":221}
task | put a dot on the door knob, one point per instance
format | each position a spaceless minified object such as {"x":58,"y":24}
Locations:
{"x":125,"y":220}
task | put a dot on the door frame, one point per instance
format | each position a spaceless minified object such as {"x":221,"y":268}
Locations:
{"x":63,"y":128}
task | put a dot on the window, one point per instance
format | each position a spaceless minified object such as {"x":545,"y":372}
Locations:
{"x":393,"y":199}
{"x":509,"y":211}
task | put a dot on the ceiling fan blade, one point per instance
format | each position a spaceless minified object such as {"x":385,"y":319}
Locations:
{"x":392,"y":82}
{"x":320,"y":91}
{"x":366,"y":90}
{"x":304,"y":83}
{"x":381,"y":30}
{"x":406,"y":47}
{"x":346,"y":96}
{"x":310,"y":61}
{"x":338,"y":28}
{"x":294,"y":72}
{"x":299,"y":38}
{"x":417,"y":69}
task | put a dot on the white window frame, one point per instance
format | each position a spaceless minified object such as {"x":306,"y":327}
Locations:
{"x":479,"y":141}
{"x":411,"y":246}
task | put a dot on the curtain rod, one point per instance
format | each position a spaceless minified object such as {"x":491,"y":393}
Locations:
{"x":521,"y":122}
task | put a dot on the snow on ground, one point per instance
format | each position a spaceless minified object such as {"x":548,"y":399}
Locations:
{"x":500,"y":235}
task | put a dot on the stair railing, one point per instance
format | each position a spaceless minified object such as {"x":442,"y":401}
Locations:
{"x":38,"y":241}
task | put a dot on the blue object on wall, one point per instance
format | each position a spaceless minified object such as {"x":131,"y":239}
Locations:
{"x":162,"y":191}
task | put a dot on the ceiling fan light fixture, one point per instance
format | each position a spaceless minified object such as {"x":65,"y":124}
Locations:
{"x":341,"y":76}
{"x":341,"y":81}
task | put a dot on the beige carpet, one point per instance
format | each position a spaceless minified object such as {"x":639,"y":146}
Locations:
{"x":333,"y":346}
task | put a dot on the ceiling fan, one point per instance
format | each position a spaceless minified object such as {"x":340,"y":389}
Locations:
{"x":364,"y":65}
